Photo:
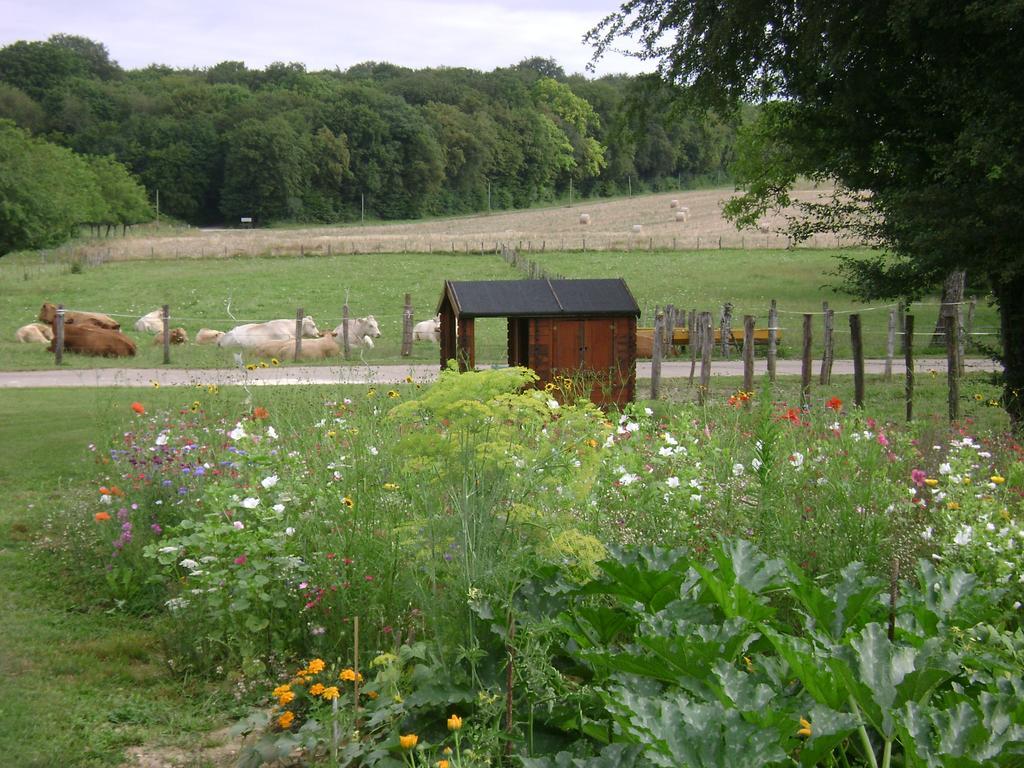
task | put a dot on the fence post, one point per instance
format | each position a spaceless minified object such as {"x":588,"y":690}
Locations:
{"x":748,"y":355}
{"x":693,"y":341}
{"x":345,"y":349}
{"x":857,"y":342}
{"x":726,"y":329}
{"x":166,"y":313}
{"x":829,"y":351}
{"x":953,"y":364}
{"x":58,"y":335}
{"x":890,"y":345}
{"x":901,"y":325}
{"x":656,"y":348}
{"x":299,"y":314}
{"x":670,"y":329}
{"x":706,"y":342}
{"x":773,"y":327}
{"x":805,"y":362}
{"x":908,"y":360}
{"x":407,"y":326}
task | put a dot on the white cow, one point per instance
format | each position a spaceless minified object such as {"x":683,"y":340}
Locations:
{"x":152,"y":322}
{"x":312,"y":349}
{"x":428,"y":330}
{"x":34,"y":333}
{"x":208,"y":336}
{"x":361,"y":331}
{"x":253,"y":334}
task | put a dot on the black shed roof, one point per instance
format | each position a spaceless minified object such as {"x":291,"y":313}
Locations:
{"x":539,"y":298}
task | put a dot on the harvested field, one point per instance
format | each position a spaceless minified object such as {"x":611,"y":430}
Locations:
{"x":637,"y":223}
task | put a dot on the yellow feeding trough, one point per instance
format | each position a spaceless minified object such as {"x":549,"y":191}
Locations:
{"x":681,"y":338}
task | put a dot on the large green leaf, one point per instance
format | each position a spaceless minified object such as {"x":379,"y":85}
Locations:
{"x":648,"y":575}
{"x":742,"y":574}
{"x":828,"y":729}
{"x":809,"y":664}
{"x":846,"y":605}
{"x":611,"y":756}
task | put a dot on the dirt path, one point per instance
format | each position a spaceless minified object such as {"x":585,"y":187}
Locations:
{"x":392,"y":374}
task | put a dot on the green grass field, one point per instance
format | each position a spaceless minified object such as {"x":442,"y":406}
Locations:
{"x":200,"y":293}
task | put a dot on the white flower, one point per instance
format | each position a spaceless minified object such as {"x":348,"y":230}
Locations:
{"x":373,"y":450}
{"x":269,"y":482}
{"x":632,"y":426}
{"x":695,"y":498}
{"x":161,"y":439}
{"x":945,"y":469}
{"x":990,"y":526}
{"x":272,"y":433}
{"x":665,"y":451}
{"x":796,"y":459}
{"x":609,"y":441}
{"x":670,"y":440}
{"x":238,"y":432}
{"x":167,"y":550}
{"x":672,"y":482}
{"x":279,"y":508}
{"x":926,"y":534}
{"x":628,"y":478}
{"x":553,"y":404}
{"x":694,"y":483}
{"x":105,"y":498}
{"x":189,"y":563}
{"x":238,"y":525}
{"x":289,"y":531}
{"x":738,"y":470}
{"x":964,"y":536}
{"x":250,"y":502}
{"x":648,"y":411}
{"x":755,"y":464}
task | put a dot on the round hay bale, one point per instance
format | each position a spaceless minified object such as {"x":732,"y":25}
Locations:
{"x":680,"y":215}
{"x":673,"y":204}
{"x":584,"y":218}
{"x":637,"y":227}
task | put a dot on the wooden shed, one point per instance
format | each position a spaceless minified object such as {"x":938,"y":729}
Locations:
{"x":585,"y":329}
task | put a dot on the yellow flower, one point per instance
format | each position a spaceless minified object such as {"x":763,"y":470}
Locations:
{"x":332,"y":434}
{"x":408,"y":379}
{"x":348,"y":675}
{"x":390,"y":486}
{"x":953,"y":505}
{"x":592,"y":443}
{"x":454,"y":723}
{"x":285,"y":720}
{"x":196,"y":405}
{"x":749,"y":663}
{"x":371,"y":392}
{"x":347,"y":502}
{"x":447,"y":751}
{"x":805,"y":727}
{"x":154,"y":383}
{"x":408,"y":741}
{"x":998,"y":479}
{"x":316,"y":689}
{"x":372,"y":694}
{"x":967,"y":481}
{"x":281,"y":690}
{"x":274,"y":361}
{"x":442,"y":764}
{"x":285,"y":697}
{"x":330,"y":693}
{"x":250,"y":367}
{"x":931,"y":482}
{"x":263,"y":364}
{"x":993,"y":403}
{"x":213,"y":389}
{"x":393,"y":394}
{"x":978,"y":396}
{"x":316,"y":666}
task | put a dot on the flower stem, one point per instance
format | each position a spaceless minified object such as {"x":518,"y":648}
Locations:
{"x":868,"y":749}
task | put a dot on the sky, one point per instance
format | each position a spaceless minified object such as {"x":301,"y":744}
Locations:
{"x":480,"y":34}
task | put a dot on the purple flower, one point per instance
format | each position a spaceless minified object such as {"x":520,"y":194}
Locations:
{"x":200,"y":471}
{"x":240,"y":560}
{"x":156,"y":528}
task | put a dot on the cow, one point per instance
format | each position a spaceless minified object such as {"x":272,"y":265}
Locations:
{"x":151,"y":323}
{"x":48,"y":314}
{"x":428,"y":330}
{"x":361,"y":331}
{"x":89,"y":339}
{"x":253,"y":334}
{"x":177,"y":336}
{"x":312,"y":349}
{"x":34,"y":333}
{"x":208,"y":336}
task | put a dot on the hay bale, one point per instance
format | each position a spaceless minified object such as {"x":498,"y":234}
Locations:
{"x":637,"y":228}
{"x":680,"y":215}
{"x":673,"y":204}
{"x":584,"y":218}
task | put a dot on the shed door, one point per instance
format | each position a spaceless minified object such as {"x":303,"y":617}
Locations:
{"x":588,"y":344}
{"x":568,"y":344}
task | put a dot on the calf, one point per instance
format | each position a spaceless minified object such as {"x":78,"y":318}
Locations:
{"x":178,"y":336}
{"x":34,"y":333}
{"x":93,"y":340}
{"x":312,"y":349}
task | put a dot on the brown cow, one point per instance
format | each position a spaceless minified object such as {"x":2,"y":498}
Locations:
{"x":178,"y":336}
{"x":48,"y":314}
{"x":93,"y":340}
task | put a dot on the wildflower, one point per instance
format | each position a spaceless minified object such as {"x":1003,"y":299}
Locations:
{"x":139,"y":408}
{"x":792,"y":415}
{"x":918,"y":477}
{"x":316,"y":689}
{"x":100,"y":517}
{"x":285,"y":720}
{"x":805,"y":727}
{"x":196,"y":405}
{"x":796,"y":459}
{"x":393,"y":394}
{"x":330,"y":693}
{"x":274,"y":361}
{"x":931,"y":482}
{"x":280,"y":689}
{"x":408,"y":379}
{"x":285,"y":698}
{"x":272,"y":433}
{"x":390,"y":486}
{"x":263,"y":364}
{"x":953,"y":505}
{"x":628,"y":478}
{"x":250,"y":502}
{"x":738,"y":470}
{"x":442,"y":763}
{"x":964,"y":536}
{"x":241,"y":560}
{"x":834,"y":403}
{"x":454,"y":723}
{"x":348,"y":675}
{"x":237,"y":433}
{"x":154,"y":383}
{"x":371,"y":392}
{"x":213,"y":389}
{"x":672,"y":482}
{"x":998,"y":479}
{"x":238,"y":525}
{"x":259,"y":412}
{"x":250,"y":367}
{"x":316,"y":666}
{"x":269,"y":482}
{"x":347,"y":502}
{"x":408,"y":741}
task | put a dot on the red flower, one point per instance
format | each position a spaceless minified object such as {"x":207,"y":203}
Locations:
{"x":240,"y":560}
{"x":793,"y":415}
{"x":139,"y":408}
{"x":834,"y":403}
{"x":100,"y":517}
{"x":259,"y":412}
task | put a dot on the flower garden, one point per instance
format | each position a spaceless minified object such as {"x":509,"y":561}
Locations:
{"x":481,"y":573}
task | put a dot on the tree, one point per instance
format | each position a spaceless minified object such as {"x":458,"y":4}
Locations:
{"x":913,"y":108}
{"x":125,"y":198}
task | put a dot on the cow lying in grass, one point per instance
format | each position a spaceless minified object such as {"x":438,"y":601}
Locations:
{"x":312,"y":349}
{"x":48,"y":315}
{"x":96,"y":341}
{"x":34,"y":333}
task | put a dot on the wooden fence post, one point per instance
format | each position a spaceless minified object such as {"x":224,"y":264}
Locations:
{"x":901,"y":325}
{"x":805,"y":363}
{"x":908,"y":358}
{"x":953,"y":364}
{"x":707,"y":341}
{"x":670,"y":329}
{"x":299,"y":314}
{"x":890,"y":345}
{"x":166,"y":314}
{"x":726,"y":329}
{"x":828,"y":354}
{"x":857,"y":342}
{"x":656,"y":347}
{"x":346,"y":350}
{"x":407,"y":326}
{"x":58,"y":335}
{"x":694,"y":339}
{"x":748,"y":355}
{"x":773,"y":326}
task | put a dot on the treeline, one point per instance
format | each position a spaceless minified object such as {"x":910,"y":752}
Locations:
{"x":282,"y":143}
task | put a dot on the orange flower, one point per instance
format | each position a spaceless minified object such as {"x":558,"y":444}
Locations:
{"x":115,"y":491}
{"x":139,"y":408}
{"x":104,"y":491}
{"x":101,"y":516}
{"x":805,"y":727}
{"x":408,"y":741}
{"x":454,"y":723}
{"x":259,"y":412}
{"x":442,"y":764}
{"x":316,"y":689}
{"x":285,"y":720}
{"x":348,"y":675}
{"x":330,"y":693}
{"x":834,"y":403}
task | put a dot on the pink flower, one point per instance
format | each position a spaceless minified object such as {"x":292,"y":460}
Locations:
{"x":882,"y":440}
{"x":240,"y":560}
{"x":918,"y":476}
